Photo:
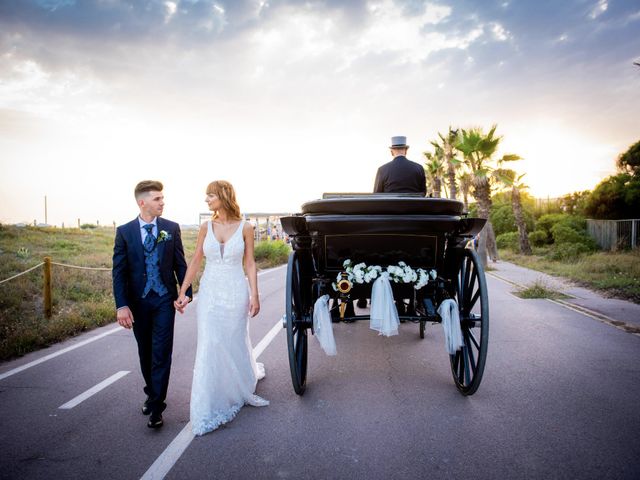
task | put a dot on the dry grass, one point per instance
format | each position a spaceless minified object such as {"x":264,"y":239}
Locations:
{"x":539,"y":289}
{"x":82,"y":299}
{"x":616,"y":274}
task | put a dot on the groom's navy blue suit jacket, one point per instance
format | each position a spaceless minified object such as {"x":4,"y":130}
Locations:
{"x":129,"y":273}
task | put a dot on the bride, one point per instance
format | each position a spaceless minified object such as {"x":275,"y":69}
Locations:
{"x":225,"y":373}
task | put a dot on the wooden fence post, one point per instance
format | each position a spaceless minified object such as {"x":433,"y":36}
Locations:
{"x":47,"y":287}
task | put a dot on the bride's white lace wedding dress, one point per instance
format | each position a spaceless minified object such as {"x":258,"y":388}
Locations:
{"x":225,"y":373}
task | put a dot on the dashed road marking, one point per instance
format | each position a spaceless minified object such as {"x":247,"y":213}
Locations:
{"x":93,"y":390}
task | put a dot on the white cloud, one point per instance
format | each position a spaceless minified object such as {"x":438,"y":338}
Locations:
{"x":170,"y":11}
{"x":599,"y":9}
{"x":634,"y":17}
{"x":29,"y":88}
{"x":499,"y":32}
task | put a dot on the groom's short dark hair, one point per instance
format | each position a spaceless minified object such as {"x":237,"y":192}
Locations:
{"x":147,"y":186}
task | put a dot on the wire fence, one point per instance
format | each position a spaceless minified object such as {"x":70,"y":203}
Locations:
{"x":615,"y":234}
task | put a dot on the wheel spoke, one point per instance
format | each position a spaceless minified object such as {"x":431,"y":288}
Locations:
{"x":465,"y":355}
{"x":300,"y":350}
{"x":462,"y":281}
{"x":472,"y":359}
{"x":473,"y":339}
{"x":460,"y":367}
{"x":469,"y":276}
{"x":473,"y":301}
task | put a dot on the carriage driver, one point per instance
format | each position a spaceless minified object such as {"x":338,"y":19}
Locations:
{"x":400,"y":175}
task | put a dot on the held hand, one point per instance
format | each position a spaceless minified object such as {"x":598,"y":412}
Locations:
{"x":181,"y":303}
{"x":254,"y":306}
{"x":125,"y":317}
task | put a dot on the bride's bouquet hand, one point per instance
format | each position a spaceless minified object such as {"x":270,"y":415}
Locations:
{"x":254,"y":306}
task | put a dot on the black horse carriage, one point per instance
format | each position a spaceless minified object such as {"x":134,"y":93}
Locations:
{"x":385,"y":229}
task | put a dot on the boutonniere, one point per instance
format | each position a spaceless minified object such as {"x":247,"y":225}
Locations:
{"x":164,"y":236}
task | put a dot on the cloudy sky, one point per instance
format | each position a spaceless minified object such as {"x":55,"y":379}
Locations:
{"x":289,"y":99}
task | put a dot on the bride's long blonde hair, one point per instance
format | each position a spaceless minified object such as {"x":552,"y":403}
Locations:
{"x":227,"y":195}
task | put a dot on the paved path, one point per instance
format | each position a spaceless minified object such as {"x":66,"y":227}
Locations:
{"x":559,"y":399}
{"x":620,"y":313}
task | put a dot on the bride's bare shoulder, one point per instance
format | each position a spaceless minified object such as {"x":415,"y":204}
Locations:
{"x":247,"y":228}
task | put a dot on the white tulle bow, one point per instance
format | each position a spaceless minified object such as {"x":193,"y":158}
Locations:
{"x":448,"y":311}
{"x":384,"y":315}
{"x":322,"y":326}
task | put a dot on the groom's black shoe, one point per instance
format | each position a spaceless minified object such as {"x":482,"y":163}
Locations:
{"x":155,"y":420}
{"x":145,"y":407}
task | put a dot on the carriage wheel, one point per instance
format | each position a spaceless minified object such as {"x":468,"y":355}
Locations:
{"x":467,"y":365}
{"x":296,"y":334}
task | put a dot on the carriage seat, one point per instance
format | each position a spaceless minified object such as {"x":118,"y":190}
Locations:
{"x":381,"y":204}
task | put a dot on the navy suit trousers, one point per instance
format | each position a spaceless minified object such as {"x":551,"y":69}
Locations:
{"x":154,"y":319}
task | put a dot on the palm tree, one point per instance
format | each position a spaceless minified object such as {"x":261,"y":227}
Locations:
{"x":510,"y":179}
{"x":478,"y":149}
{"x":434,"y":170}
{"x":446,"y":148}
{"x":465,"y":186}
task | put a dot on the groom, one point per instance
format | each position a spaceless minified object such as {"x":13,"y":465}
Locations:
{"x":148,"y":261}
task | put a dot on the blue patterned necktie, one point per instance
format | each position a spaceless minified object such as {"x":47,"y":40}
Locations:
{"x":152,"y":264}
{"x":149,"y":240}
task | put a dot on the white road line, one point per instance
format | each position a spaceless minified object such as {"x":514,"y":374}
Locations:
{"x":167,"y":459}
{"x":59,"y":352}
{"x":170,"y":456}
{"x":264,"y":343}
{"x":93,"y":390}
{"x":274,"y":269}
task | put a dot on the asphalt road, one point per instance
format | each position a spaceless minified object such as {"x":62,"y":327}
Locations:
{"x":559,"y":399}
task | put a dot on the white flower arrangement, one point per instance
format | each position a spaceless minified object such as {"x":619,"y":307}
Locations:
{"x":163,"y":236}
{"x":400,"y":273}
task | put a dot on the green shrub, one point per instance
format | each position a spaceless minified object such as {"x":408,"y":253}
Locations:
{"x":272,"y":252}
{"x":562,"y":233}
{"x":546,"y":222}
{"x":568,"y":252}
{"x":508,"y":240}
{"x":86,"y":226}
{"x":538,"y":238}
{"x":504,"y":221}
